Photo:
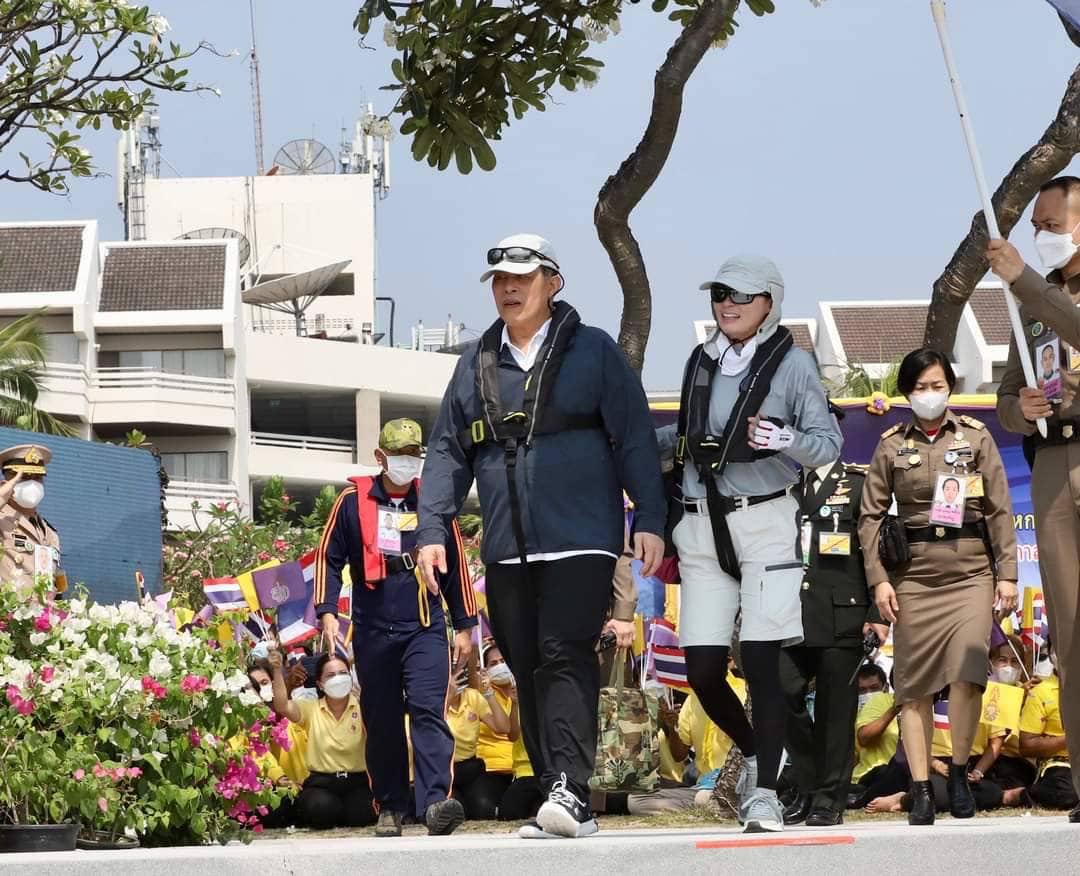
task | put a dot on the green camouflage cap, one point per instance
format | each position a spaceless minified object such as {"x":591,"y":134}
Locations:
{"x":401,"y":433}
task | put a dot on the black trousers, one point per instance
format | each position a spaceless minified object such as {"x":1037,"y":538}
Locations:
{"x":478,"y":790}
{"x":521,"y":800}
{"x":546,"y":619}
{"x":1012,"y":772}
{"x":822,"y":748}
{"x":1055,"y":789}
{"x":330,"y":800}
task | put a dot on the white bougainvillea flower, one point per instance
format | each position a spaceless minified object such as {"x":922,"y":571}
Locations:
{"x":160,"y":667}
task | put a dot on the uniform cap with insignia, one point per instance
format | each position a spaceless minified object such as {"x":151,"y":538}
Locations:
{"x":401,"y":433}
{"x":29,"y":459}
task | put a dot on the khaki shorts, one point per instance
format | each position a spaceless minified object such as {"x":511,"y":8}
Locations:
{"x":766,"y":540}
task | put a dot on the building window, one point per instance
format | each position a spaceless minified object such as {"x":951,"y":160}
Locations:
{"x":62,"y":347}
{"x":195,"y":363}
{"x":208,"y":467}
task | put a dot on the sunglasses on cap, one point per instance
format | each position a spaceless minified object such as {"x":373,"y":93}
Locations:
{"x":721,"y":293}
{"x":520,"y":254}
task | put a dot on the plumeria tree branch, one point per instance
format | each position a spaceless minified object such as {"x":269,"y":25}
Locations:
{"x":69,"y":64}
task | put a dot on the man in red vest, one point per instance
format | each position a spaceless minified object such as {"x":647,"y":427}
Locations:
{"x":399,"y":631}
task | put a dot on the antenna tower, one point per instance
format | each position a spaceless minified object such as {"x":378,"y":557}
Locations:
{"x":256,"y":96}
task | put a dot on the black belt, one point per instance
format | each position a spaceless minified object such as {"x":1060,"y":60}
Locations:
{"x":945,"y":533}
{"x":340,"y":775}
{"x":405,"y":563}
{"x":1059,"y":432}
{"x":728,"y":504}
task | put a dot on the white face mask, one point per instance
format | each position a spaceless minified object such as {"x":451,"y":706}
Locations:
{"x":266,"y":693}
{"x":338,"y":687}
{"x":1044,"y":668}
{"x":29,"y":493}
{"x":1055,"y":250}
{"x":403,"y":470}
{"x":1007,"y":674}
{"x":304,"y":693}
{"x":500,"y":674}
{"x":929,"y":405}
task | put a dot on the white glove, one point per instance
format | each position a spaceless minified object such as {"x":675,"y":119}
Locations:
{"x":768,"y":436}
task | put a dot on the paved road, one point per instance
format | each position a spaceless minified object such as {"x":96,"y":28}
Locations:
{"x":984,"y":846}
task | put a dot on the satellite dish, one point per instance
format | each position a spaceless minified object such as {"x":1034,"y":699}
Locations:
{"x":294,"y":293}
{"x":305,"y":157}
{"x":221,"y":234}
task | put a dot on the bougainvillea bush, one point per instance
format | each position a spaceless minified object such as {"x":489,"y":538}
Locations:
{"x":113,"y":718}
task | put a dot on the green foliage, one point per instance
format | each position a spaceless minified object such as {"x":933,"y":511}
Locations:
{"x":22,"y":363}
{"x":72,"y":64}
{"x":856,"y":382}
{"x":112,"y":718}
{"x":232,"y":543}
{"x":324,"y":504}
{"x":466,"y":68}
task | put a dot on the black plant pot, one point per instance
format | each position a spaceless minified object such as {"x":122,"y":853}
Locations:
{"x":38,"y":837}
{"x":101,"y":840}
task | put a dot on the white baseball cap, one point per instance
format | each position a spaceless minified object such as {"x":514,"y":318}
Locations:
{"x":751,"y":274}
{"x":520,"y":254}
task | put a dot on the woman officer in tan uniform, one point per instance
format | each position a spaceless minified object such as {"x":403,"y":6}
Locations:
{"x":941,"y":600}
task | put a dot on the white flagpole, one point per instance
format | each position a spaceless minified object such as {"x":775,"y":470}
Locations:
{"x":938,"y":9}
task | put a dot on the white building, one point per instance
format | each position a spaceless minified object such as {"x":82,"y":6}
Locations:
{"x":152,"y":334}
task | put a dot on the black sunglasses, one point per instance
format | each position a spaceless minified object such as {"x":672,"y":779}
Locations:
{"x":520,"y":254}
{"x":721,"y":293}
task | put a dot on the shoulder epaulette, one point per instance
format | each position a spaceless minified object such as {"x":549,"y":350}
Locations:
{"x":972,"y":422}
{"x":855,"y":468}
{"x":892,"y":430}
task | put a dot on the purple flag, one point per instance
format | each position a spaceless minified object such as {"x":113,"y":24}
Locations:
{"x":280,"y":584}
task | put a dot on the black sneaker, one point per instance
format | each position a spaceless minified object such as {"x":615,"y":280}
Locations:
{"x":389,"y":824}
{"x":444,"y":817}
{"x":563,"y":814}
{"x":1074,"y":816}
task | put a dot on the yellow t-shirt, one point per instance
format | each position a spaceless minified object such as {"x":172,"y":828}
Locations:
{"x":941,"y":747}
{"x":495,"y":749}
{"x":669,"y":769}
{"x":465,"y":721}
{"x":711,"y":744}
{"x":882,"y":750}
{"x":294,"y":761}
{"x":522,"y":765}
{"x":334,"y":745}
{"x":1042,"y":716}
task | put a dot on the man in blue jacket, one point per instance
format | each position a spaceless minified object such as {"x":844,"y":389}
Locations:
{"x":550,"y":420}
{"x":399,"y":630}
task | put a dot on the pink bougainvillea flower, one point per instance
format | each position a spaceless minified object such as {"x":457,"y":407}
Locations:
{"x":119,"y":773}
{"x":43,"y":623}
{"x":47,"y":673}
{"x":79,"y":775}
{"x":12,"y":693}
{"x":24,"y":707}
{"x":280,"y":544}
{"x":102,"y":804}
{"x":263,"y":556}
{"x":193,"y":684}
{"x":194,"y":738}
{"x":134,"y":772}
{"x":100,"y":771}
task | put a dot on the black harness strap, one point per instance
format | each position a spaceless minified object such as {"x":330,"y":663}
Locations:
{"x":538,"y":416}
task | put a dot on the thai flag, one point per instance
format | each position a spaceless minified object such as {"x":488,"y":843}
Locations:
{"x":941,"y":715}
{"x":661,"y":633}
{"x":1069,"y":9}
{"x":296,"y":618}
{"x":670,"y":664}
{"x":1039,"y":628}
{"x":343,"y":644}
{"x":224,"y":594}
{"x":252,"y":630}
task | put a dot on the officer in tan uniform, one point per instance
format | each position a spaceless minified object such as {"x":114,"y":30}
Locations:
{"x":31,"y":546}
{"x":940,"y":600}
{"x":1051,"y":319}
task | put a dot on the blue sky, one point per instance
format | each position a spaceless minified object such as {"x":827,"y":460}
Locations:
{"x":824,"y":138}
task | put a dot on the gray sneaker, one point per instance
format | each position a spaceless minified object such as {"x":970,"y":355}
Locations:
{"x":762,"y":813}
{"x":746,"y":787}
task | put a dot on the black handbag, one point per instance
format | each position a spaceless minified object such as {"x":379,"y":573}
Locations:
{"x":893,"y":545}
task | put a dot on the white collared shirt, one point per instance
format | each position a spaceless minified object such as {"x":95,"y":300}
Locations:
{"x":526,"y":358}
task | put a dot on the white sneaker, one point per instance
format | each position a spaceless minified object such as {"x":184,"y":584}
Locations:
{"x":532,"y":830}
{"x":746,"y":787}
{"x":762,"y":813}
{"x":564,"y":814}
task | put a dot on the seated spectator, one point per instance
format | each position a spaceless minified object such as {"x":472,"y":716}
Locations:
{"x":984,"y":750}
{"x":292,"y":759}
{"x":1042,"y":738}
{"x":523,"y":798}
{"x":466,"y":710}
{"x":337,"y":792}
{"x":496,"y":750}
{"x":877,"y":733}
{"x":1011,"y":771}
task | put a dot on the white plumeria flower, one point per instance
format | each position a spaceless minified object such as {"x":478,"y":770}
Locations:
{"x":55,"y":65}
{"x":818,"y":2}
{"x":389,"y":35}
{"x":594,"y":30}
{"x":159,"y":25}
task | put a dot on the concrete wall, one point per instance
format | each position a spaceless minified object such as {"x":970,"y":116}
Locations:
{"x":105,"y":502}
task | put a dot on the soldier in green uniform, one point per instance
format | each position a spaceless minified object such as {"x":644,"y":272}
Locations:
{"x":836,"y":612}
{"x":31,"y":547}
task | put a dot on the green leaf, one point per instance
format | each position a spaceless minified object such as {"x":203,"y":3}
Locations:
{"x":464,"y":158}
{"x":485,"y":156}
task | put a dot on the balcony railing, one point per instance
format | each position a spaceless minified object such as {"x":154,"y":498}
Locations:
{"x":302,"y":442}
{"x":183,"y":493}
{"x":152,"y":378}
